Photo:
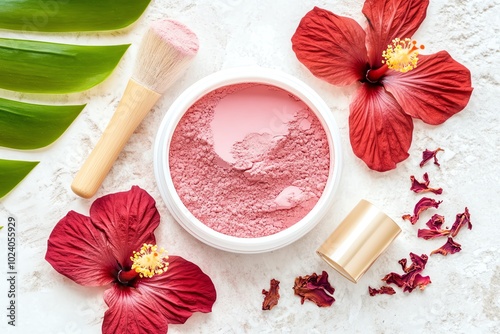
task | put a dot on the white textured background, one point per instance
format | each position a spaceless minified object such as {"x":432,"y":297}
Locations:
{"x":464,"y":295}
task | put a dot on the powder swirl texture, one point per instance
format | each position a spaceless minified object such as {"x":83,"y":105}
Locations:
{"x":249,"y":160}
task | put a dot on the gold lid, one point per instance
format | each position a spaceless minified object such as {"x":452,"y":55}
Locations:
{"x":359,"y":240}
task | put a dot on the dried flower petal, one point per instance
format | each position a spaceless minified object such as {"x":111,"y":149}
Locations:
{"x":384,"y":290}
{"x":272,"y":296}
{"x":403,"y":262}
{"x":450,"y":247}
{"x":408,"y":282}
{"x":435,"y":222}
{"x":417,"y":262}
{"x":412,"y":278}
{"x":422,"y":205}
{"x":422,"y":187}
{"x":434,"y":230}
{"x":420,"y":282}
{"x":428,"y":155}
{"x":432,"y":234}
{"x":314,"y":288}
{"x":461,"y":220}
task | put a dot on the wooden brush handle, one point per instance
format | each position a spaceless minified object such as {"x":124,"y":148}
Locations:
{"x":136,"y":102}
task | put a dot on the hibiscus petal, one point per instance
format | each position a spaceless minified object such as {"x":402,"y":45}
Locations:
{"x":181,"y":291}
{"x":127,"y":219}
{"x":388,"y":19}
{"x":380,"y":132}
{"x":332,"y":47}
{"x":155,"y":302}
{"x":130,"y":312}
{"x":77,"y":250}
{"x":437,"y":89}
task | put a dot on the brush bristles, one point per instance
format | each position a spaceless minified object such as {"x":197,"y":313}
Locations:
{"x":166,"y":51}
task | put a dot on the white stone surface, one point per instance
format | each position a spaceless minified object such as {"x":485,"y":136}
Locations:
{"x":464,"y":294}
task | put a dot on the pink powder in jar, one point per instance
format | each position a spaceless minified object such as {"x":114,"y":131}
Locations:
{"x":249,"y":160}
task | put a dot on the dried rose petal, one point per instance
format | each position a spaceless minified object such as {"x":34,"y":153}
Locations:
{"x":384,"y":290}
{"x":272,"y":296}
{"x":417,"y":262}
{"x":428,"y":155}
{"x":403,"y":263}
{"x":422,"y":187}
{"x":461,"y":220}
{"x":422,"y":205}
{"x":409,"y":281}
{"x":450,"y":247}
{"x":434,"y":230}
{"x":412,"y":278}
{"x":394,"y":278}
{"x":435,"y":222}
{"x":314,"y":288}
{"x":432,"y":234}
{"x":420,"y":282}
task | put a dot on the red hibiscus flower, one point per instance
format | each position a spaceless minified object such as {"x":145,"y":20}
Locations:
{"x":396,"y":83}
{"x":116,"y":246}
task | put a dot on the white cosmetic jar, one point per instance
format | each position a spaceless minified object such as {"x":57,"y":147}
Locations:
{"x":230,"y":77}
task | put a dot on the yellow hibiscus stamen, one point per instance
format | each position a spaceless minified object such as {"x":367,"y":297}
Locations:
{"x":150,"y":261}
{"x":402,"y":55}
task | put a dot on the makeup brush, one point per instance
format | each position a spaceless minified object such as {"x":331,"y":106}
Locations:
{"x":166,"y":51}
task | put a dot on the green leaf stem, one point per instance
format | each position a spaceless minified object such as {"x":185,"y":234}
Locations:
{"x":53,"y":68}
{"x":28,"y":126}
{"x":69,"y":15}
{"x":12,"y":172}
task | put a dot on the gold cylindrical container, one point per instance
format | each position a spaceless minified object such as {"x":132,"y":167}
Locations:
{"x":359,"y":240}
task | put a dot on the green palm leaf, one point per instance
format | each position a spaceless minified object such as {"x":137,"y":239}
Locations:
{"x":12,"y":172}
{"x":69,"y":15}
{"x":53,"y":68}
{"x":28,"y":126}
